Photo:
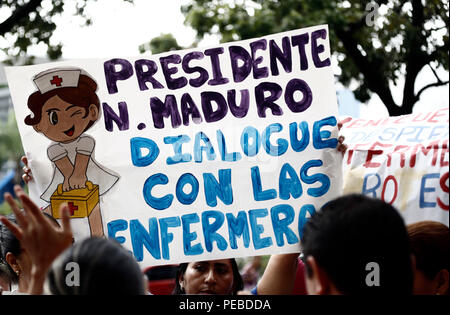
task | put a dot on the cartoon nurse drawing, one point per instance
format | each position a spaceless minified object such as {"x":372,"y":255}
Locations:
{"x":63,"y":109}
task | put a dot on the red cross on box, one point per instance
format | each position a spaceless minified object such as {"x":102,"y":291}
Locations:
{"x":72,"y":208}
{"x":56,"y":80}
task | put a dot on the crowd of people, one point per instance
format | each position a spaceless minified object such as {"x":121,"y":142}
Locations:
{"x":353,"y":245}
{"x":339,"y":242}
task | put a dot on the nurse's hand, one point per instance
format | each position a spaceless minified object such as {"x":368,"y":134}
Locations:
{"x":66,"y":185}
{"x":77,"y":181}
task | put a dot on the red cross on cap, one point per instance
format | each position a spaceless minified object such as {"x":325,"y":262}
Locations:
{"x":57,"y":80}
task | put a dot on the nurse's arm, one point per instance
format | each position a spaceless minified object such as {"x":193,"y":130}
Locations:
{"x":66,"y":168}
{"x":78,"y":178}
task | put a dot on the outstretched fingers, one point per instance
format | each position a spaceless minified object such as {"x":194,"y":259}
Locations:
{"x":20,"y":217}
{"x":17,"y":231}
{"x":65,"y":219}
{"x":33,"y":212}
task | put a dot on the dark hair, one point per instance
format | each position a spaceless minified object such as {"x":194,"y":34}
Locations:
{"x":430,"y":246}
{"x":105,"y":267}
{"x":9,"y":244}
{"x":238,"y":283}
{"x":5,"y":277}
{"x":352,"y":231}
{"x":83,"y":96}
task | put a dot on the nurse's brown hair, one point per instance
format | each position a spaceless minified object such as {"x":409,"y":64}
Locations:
{"x":83,"y":96}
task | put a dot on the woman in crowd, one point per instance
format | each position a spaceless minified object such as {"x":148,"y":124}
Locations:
{"x":219,"y":277}
{"x":430,"y":247}
{"x":15,"y":262}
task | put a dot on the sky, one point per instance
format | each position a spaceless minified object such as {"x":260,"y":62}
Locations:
{"x":119,"y":28}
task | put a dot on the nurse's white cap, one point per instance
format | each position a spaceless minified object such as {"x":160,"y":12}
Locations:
{"x":57,"y":78}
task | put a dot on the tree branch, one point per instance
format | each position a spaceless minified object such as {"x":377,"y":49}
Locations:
{"x":436,"y":84}
{"x":435,"y":74}
{"x":372,"y":70}
{"x":415,"y":57}
{"x":17,"y":15}
{"x":435,"y":53}
{"x":433,"y":29}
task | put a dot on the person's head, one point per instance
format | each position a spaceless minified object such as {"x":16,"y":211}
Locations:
{"x":209,"y":277}
{"x":63,"y":114}
{"x":14,"y":257}
{"x":357,"y":245}
{"x":95,"y":266}
{"x":430,"y":247}
{"x":15,"y":261}
{"x":5,"y":282}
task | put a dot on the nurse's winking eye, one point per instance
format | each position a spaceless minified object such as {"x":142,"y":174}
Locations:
{"x":53,"y":117}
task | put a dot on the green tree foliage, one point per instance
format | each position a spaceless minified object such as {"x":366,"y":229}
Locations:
{"x":31,"y":22}
{"x":160,"y":44}
{"x":11,"y":144}
{"x":407,"y":36}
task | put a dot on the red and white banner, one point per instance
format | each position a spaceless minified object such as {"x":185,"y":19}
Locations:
{"x":403,"y":160}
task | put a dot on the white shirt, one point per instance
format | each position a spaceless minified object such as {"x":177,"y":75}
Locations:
{"x":95,"y":173}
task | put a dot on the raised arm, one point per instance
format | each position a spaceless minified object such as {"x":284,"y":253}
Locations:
{"x":279,"y":275}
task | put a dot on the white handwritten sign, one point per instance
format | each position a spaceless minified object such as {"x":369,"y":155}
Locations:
{"x":401,"y":160}
{"x":213,"y":153}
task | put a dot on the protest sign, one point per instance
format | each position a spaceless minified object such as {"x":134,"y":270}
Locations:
{"x":402,"y":160}
{"x":191,"y":155}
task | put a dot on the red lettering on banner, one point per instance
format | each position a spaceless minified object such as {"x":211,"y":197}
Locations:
{"x":372,"y":123}
{"x":445,"y":188}
{"x":431,"y":117}
{"x":390,"y":177}
{"x":433,"y":145}
{"x":385,"y":122}
{"x":355,"y":123}
{"x":443,"y":155}
{"x":400,"y":149}
{"x":371,"y":152}
{"x":401,"y":119}
{"x":345,"y":120}
{"x":415,"y":119}
{"x":440,"y":149}
{"x":438,"y":114}
{"x":352,"y":150}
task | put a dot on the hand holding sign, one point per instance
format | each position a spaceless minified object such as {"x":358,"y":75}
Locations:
{"x":26,"y":176}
